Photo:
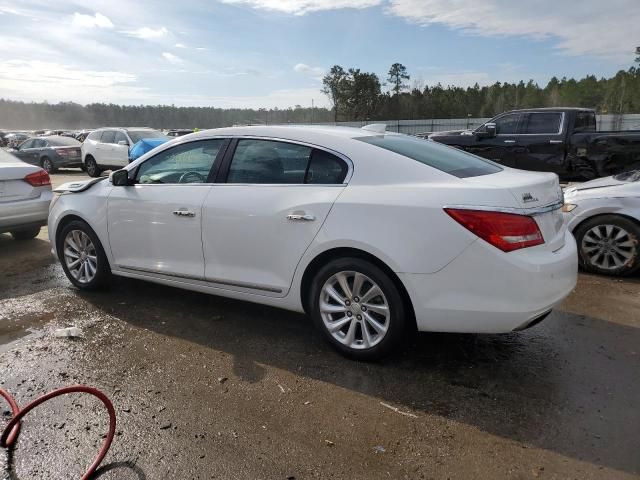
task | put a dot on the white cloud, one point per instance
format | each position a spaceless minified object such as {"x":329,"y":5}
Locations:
{"x":35,"y":81}
{"x":98,"y":20}
{"x":171,"y":58}
{"x":179,"y":45}
{"x":201,"y":48}
{"x":279,"y":98}
{"x":301,"y":7}
{"x":315,"y":72}
{"x":148,"y":33}
{"x":594,"y":27}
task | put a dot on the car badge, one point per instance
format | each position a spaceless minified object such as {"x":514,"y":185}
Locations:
{"x":527,"y":198}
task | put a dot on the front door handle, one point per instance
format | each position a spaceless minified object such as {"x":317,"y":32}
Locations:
{"x":556,"y":141}
{"x":509,"y":141}
{"x":304,"y":217}
{"x":184,"y":213}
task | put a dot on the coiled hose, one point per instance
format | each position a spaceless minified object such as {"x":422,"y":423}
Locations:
{"x":11,"y":431}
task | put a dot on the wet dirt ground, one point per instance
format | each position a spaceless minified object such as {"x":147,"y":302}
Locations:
{"x":211,"y":388}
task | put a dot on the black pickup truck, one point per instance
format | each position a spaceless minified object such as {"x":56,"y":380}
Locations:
{"x":559,"y":140}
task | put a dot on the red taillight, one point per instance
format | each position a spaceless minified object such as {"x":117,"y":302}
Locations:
{"x":38,"y":179}
{"x":506,"y":231}
{"x":63,"y":152}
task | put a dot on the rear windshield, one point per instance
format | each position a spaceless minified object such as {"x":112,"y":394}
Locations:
{"x":446,"y":159}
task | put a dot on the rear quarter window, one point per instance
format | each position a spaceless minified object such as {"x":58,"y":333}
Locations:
{"x":446,"y":159}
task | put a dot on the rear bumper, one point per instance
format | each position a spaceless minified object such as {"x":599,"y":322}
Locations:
{"x":486,"y":291}
{"x":25,"y":213}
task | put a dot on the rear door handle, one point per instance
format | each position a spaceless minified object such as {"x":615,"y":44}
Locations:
{"x":184,"y":213}
{"x":556,"y":141}
{"x":304,"y":217}
{"x":509,"y":141}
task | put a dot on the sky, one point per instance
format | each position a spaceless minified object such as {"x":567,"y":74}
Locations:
{"x":273,"y":53}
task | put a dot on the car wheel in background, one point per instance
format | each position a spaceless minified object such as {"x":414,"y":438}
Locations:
{"x":26,"y":234}
{"x":82,"y":256}
{"x":608,"y":244}
{"x":92,"y":167}
{"x":47,"y":165}
{"x":358,"y":308}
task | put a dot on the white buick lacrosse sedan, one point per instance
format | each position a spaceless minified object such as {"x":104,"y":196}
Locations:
{"x":372,"y":234}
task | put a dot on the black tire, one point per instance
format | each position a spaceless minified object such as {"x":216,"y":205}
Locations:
{"x":597,"y":264}
{"x":26,"y":234}
{"x":396,"y":322}
{"x":92,"y":167}
{"x":47,"y":164}
{"x":102,"y":276}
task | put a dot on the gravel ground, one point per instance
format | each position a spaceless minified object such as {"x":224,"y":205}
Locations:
{"x":206,"y":387}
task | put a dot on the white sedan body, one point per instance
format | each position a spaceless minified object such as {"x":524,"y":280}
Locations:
{"x":255,"y":241}
{"x":618,"y":195}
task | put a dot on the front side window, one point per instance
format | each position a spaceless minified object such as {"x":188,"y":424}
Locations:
{"x":267,"y":161}
{"x":108,"y":136}
{"x":543,"y":123}
{"x":120,"y":137}
{"x":508,"y":124}
{"x":188,"y":163}
{"x":27,"y":144}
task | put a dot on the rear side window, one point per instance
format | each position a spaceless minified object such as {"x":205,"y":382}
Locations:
{"x":543,"y":123}
{"x":446,"y":159}
{"x":585,"y":122}
{"x":108,"y":136}
{"x":266,"y":161}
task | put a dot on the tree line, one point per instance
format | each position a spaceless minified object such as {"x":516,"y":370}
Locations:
{"x":355,"y":96}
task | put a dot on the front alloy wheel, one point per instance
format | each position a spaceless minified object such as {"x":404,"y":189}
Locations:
{"x":80,"y":256}
{"x":608,"y":244}
{"x":358,"y":308}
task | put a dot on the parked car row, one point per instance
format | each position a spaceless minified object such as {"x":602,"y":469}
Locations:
{"x":372,"y":234}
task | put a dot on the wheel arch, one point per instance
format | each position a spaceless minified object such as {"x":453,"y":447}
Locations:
{"x":633,"y":220}
{"x":66,"y":220}
{"x":341,"y":252}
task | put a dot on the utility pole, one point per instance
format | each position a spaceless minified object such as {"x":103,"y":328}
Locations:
{"x":312,"y":111}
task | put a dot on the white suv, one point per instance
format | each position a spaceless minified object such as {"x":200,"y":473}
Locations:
{"x":108,"y":148}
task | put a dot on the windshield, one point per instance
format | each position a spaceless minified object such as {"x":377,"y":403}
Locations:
{"x":630,"y":176}
{"x":446,"y":159}
{"x":137,"y":135}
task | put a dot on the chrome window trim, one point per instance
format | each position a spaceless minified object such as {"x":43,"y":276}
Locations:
{"x":217,"y":281}
{"x":515,"y":210}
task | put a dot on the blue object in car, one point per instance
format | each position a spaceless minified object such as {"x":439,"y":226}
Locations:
{"x":145,"y":145}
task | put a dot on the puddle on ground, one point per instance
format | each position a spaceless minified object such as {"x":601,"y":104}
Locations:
{"x":29,"y":326}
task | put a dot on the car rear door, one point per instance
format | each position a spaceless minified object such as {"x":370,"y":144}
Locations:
{"x":543,"y":142}
{"x":272,"y":201}
{"x":155,"y":225}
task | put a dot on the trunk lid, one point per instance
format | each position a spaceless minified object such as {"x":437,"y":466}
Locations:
{"x":533,"y":193}
{"x":13,"y":187}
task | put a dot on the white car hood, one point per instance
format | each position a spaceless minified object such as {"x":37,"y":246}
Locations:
{"x":75,"y":187}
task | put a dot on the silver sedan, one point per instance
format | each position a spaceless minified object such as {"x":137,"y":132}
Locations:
{"x":25,"y":195}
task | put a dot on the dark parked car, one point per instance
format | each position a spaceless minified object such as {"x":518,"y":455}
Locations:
{"x":13,"y":139}
{"x":178,"y":132}
{"x":559,"y":140}
{"x":50,"y":153}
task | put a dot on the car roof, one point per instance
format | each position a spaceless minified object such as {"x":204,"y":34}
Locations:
{"x":290,"y":132}
{"x":554,"y":109}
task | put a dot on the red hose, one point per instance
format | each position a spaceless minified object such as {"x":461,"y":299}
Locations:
{"x":10,"y":433}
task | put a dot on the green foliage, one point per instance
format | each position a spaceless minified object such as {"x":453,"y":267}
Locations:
{"x":396,"y":76}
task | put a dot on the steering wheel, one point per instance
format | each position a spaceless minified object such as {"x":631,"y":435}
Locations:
{"x":192,"y":177}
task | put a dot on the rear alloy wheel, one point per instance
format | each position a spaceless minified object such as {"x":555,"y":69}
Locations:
{"x":47,"y":165}
{"x":358,"y":308}
{"x":92,"y":167}
{"x":82,"y":256}
{"x":26,"y":234}
{"x":608,"y":244}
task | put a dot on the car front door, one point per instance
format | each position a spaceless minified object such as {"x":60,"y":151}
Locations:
{"x":155,"y":224}
{"x":259,"y":221}
{"x":25,"y":152}
{"x":120,"y":150}
{"x":542,"y":142}
{"x":104,"y":148}
{"x":506,"y":142}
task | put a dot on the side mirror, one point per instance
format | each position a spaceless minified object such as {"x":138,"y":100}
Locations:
{"x":120,"y":178}
{"x":490,"y":129}
{"x":123,"y":142}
